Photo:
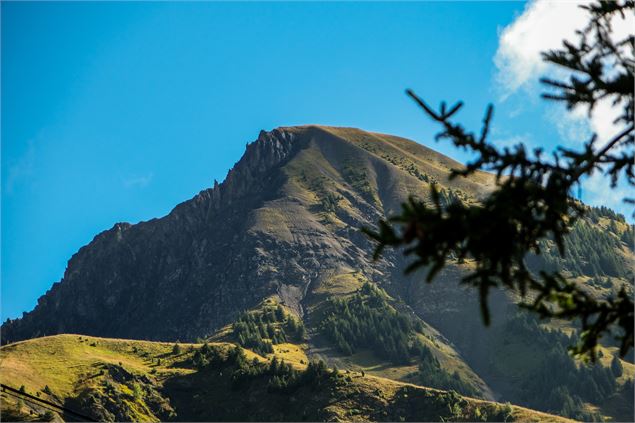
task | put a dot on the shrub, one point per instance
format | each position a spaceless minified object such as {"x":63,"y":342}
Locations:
{"x":48,"y":416}
{"x":137,"y":391}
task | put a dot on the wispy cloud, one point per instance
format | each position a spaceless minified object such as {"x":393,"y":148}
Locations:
{"x":21,"y":169}
{"x":573,"y":126}
{"x":511,"y":141}
{"x":137,"y":181}
{"x":597,"y":191}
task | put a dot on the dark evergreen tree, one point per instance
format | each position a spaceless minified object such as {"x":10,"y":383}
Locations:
{"x":176,"y":349}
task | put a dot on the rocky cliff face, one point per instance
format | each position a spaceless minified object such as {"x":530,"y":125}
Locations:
{"x":176,"y":277}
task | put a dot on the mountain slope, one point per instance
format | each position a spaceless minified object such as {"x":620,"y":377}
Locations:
{"x":123,"y":380}
{"x":284,"y":225}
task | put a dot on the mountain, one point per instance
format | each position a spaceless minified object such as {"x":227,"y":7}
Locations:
{"x":285,"y":219}
{"x":283,"y":229}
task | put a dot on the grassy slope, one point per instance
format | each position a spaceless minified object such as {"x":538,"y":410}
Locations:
{"x":71,"y":367}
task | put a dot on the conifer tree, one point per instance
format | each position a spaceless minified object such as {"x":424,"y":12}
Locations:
{"x":176,"y":349}
{"x":616,"y":366}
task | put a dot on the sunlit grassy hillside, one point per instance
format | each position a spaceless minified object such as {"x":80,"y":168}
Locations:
{"x":114,"y":379}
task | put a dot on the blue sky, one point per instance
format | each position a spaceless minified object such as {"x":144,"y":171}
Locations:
{"x":119,"y":111}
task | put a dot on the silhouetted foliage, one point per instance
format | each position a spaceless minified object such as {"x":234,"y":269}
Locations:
{"x":532,"y":201}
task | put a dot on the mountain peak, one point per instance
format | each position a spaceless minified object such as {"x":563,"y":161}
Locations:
{"x":287,"y":213}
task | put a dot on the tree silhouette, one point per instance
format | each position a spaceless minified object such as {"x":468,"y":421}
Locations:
{"x":532,"y":201}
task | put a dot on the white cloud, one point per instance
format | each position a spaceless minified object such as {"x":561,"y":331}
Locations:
{"x":137,"y":181}
{"x":542,"y":26}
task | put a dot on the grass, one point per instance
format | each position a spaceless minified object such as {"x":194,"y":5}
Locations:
{"x":292,"y":354}
{"x":407,"y":155}
{"x":44,"y":361}
{"x":69,"y":365}
{"x":342,"y":284}
{"x":273,"y":221}
{"x":368,"y":362}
